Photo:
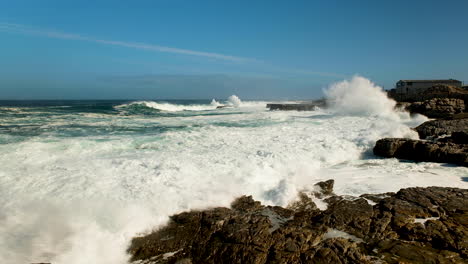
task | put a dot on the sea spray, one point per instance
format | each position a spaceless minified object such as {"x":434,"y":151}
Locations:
{"x":214,"y":103}
{"x":233,"y":100}
{"x":361,"y":97}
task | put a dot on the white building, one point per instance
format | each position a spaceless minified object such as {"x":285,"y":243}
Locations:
{"x":417,"y":86}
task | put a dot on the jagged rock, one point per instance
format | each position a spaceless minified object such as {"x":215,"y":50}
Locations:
{"x":414,"y":225}
{"x":326,"y":187}
{"x":418,"y":150}
{"x":436,"y":128}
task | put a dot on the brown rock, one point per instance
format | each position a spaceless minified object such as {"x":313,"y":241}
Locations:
{"x":436,"y":128}
{"x":438,"y":107}
{"x":414,"y":225}
{"x":418,"y":150}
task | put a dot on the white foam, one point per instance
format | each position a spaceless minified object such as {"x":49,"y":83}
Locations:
{"x":170,"y":254}
{"x":335,"y":233}
{"x":168,"y":107}
{"x":424,"y":220}
{"x":276,"y":220}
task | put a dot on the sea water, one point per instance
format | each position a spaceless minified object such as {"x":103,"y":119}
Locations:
{"x":79,"y":179}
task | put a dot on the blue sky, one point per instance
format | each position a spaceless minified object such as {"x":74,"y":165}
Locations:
{"x":203,"y":49}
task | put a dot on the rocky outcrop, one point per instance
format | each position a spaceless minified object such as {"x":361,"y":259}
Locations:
{"x":438,"y":107}
{"x":418,"y":150}
{"x":437,"y":128}
{"x":308,"y":106}
{"x":445,"y":141}
{"x":439,"y":101}
{"x":292,"y":107}
{"x":436,"y":91}
{"x":415,"y":225}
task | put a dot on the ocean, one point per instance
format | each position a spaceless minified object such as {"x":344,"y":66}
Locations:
{"x":79,"y":179}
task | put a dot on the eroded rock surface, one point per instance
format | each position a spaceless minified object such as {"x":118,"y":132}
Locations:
{"x":414,"y":225}
{"x":436,"y":128}
{"x":438,"y":107}
{"x":418,"y":150}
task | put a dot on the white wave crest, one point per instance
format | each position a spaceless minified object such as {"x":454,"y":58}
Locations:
{"x":168,"y":107}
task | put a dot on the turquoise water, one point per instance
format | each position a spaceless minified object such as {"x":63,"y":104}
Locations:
{"x":24,"y":120}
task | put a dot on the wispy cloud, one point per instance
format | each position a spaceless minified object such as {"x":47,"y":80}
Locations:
{"x":27,"y":30}
{"x":258,"y":65}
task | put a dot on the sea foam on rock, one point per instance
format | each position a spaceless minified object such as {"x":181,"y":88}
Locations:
{"x":350,"y":230}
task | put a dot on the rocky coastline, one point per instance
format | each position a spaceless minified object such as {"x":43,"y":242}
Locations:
{"x":414,"y":225}
{"x":444,"y":139}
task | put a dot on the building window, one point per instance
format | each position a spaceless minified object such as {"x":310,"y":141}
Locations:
{"x":409,"y":83}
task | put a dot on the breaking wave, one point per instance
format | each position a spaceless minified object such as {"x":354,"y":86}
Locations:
{"x":151,"y":106}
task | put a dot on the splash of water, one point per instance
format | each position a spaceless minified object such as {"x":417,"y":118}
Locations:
{"x":233,"y":100}
{"x":359,"y":96}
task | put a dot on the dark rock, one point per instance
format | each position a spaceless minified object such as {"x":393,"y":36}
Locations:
{"x":352,"y":215}
{"x":436,"y":128}
{"x":459,"y":137}
{"x":309,"y":106}
{"x":418,"y":150}
{"x":414,"y":225}
{"x":326,"y":188}
{"x":414,"y":252}
{"x":223,"y":106}
{"x":292,"y":107}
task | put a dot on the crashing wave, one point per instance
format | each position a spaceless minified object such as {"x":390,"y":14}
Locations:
{"x":233,"y":100}
{"x":146,"y":106}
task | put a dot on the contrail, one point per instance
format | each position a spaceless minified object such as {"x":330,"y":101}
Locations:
{"x":22,"y":29}
{"x":34,"y":31}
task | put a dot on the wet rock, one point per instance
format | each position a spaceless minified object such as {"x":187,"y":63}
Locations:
{"x":325,"y":188}
{"x":414,"y":252}
{"x":418,"y":150}
{"x":414,"y":225}
{"x":436,"y":128}
{"x":307,"y":106}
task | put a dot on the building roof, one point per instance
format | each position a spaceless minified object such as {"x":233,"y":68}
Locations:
{"x":433,"y":81}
